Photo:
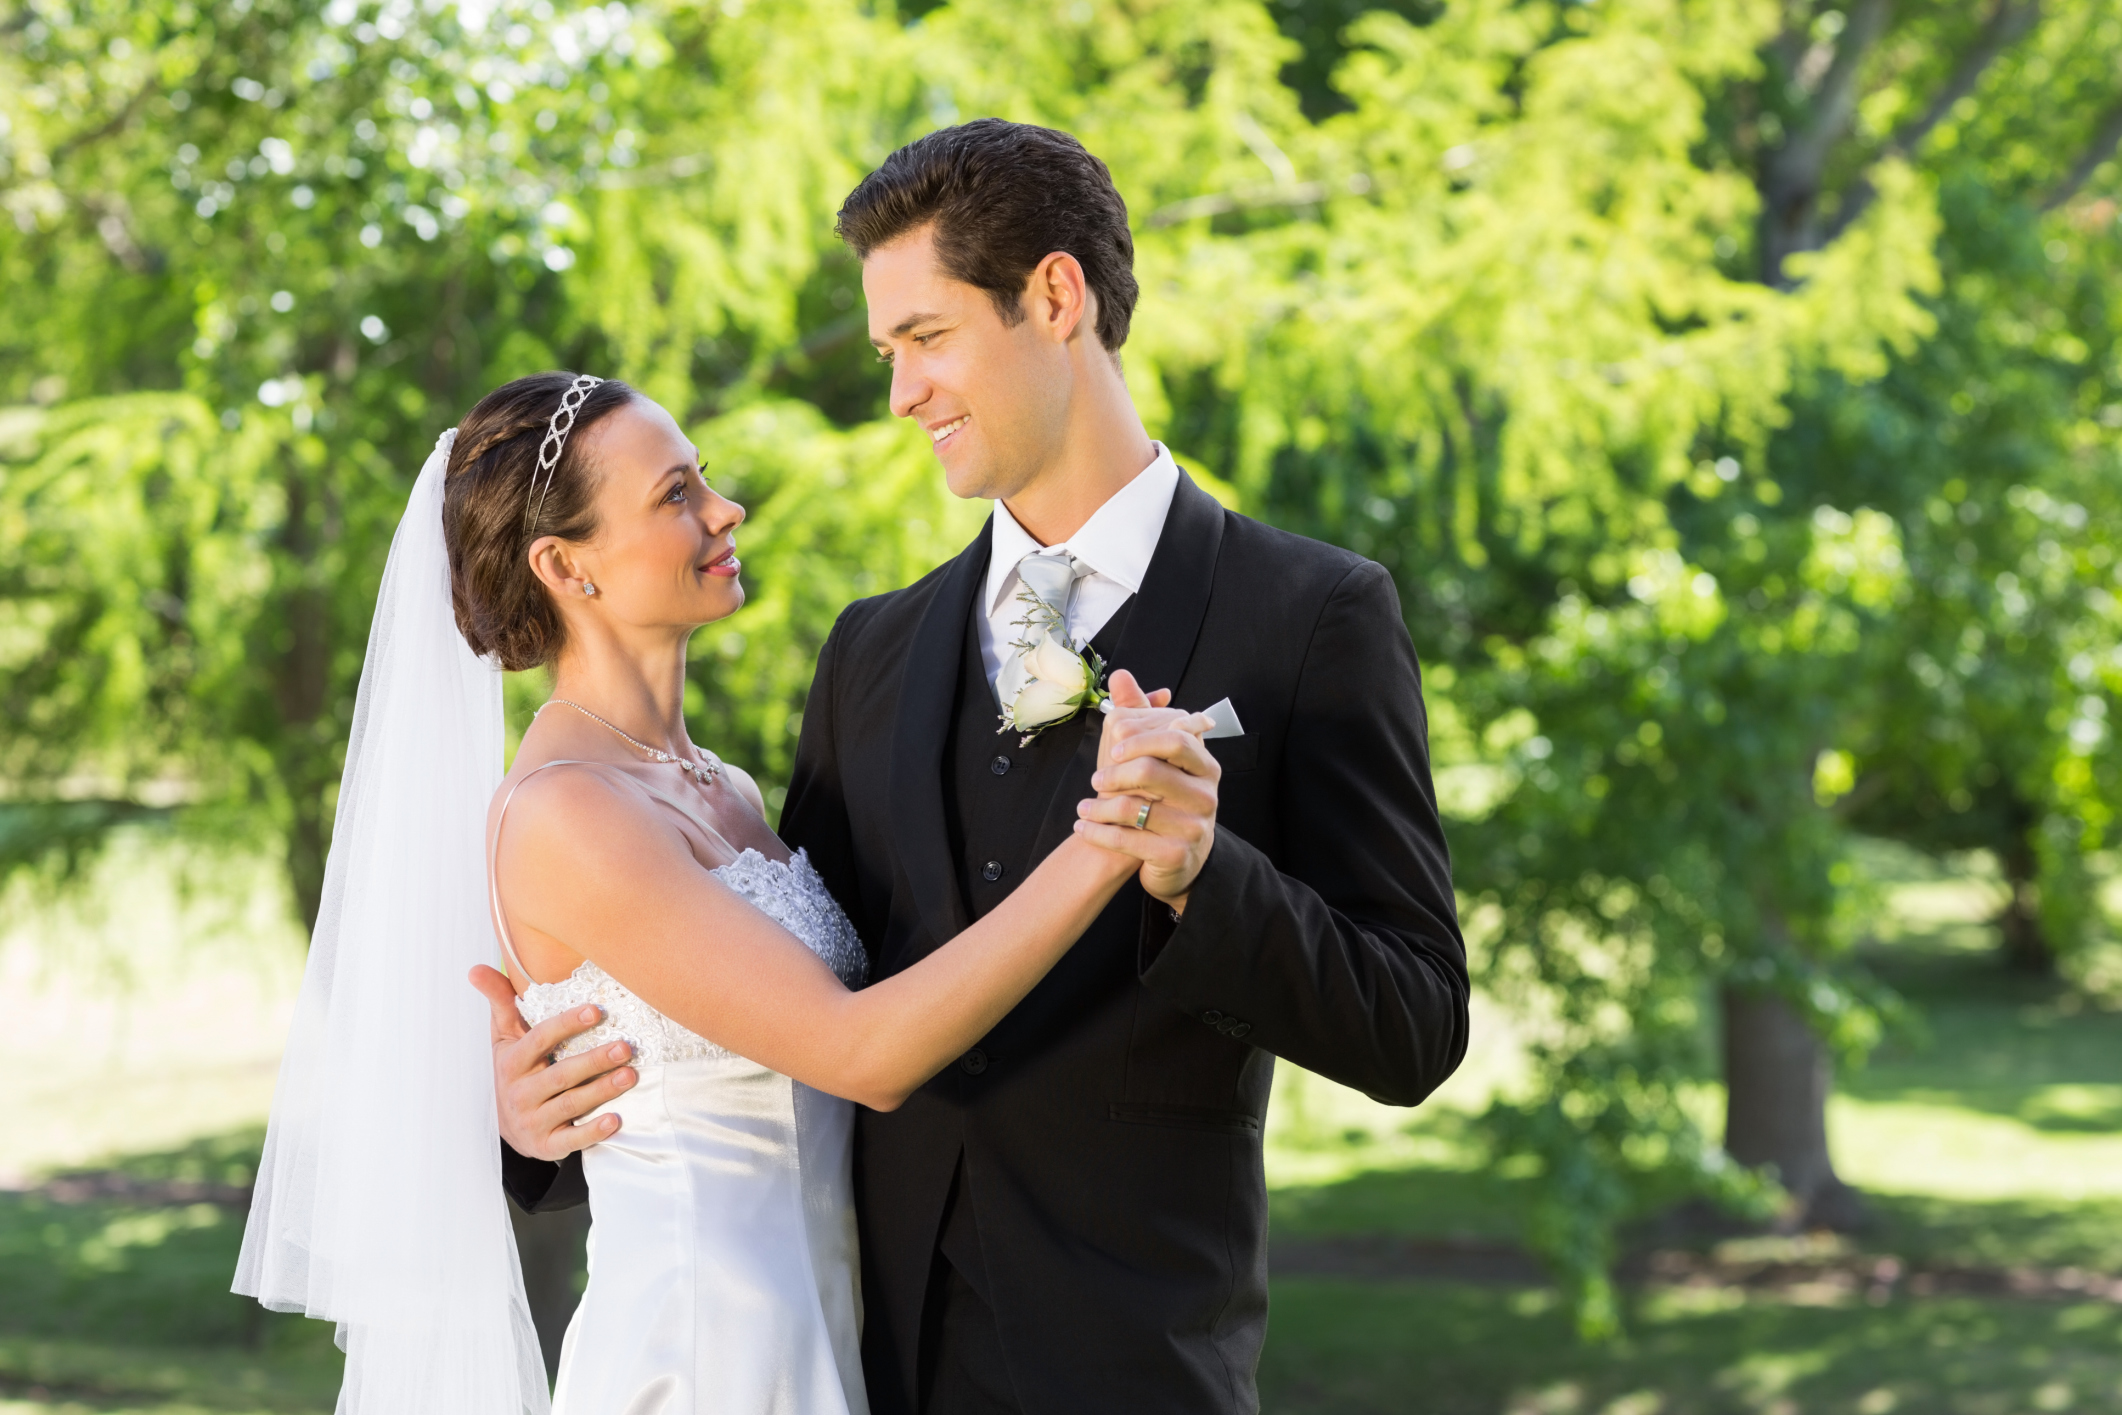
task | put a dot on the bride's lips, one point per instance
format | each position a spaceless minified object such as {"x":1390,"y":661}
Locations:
{"x":727,"y":567}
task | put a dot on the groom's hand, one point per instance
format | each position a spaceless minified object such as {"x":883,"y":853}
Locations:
{"x":539,"y":1100}
{"x":1153,"y":754}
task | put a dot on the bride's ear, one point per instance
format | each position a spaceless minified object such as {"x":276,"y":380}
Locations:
{"x":555,"y":564}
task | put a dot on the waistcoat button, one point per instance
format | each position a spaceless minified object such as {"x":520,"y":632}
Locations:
{"x":973,"y":1062}
{"x":999,"y":765}
{"x":991,"y":871}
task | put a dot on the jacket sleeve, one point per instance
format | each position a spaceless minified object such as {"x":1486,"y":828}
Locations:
{"x":814,"y":815}
{"x":1341,"y":953}
{"x":540,"y":1186}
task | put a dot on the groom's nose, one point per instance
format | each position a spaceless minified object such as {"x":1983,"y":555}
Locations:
{"x":910,"y":388}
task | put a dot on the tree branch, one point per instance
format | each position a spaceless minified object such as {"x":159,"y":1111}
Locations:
{"x":1790,"y":176}
{"x":104,"y":129}
{"x":2106,"y":137}
{"x":1248,"y":197}
{"x":1799,"y":161}
{"x":2006,"y":25}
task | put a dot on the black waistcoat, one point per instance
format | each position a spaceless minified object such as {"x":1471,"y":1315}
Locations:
{"x":998,"y":793}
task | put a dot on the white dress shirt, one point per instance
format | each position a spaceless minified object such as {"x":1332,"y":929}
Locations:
{"x":1116,"y":542}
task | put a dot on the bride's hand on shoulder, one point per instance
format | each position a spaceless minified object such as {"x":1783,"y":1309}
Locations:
{"x":1151,"y":756}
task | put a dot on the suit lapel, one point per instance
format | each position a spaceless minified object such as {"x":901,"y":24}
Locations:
{"x":1158,"y":637}
{"x":928,"y":692}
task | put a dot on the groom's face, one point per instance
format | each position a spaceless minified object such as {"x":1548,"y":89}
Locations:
{"x":991,"y":396}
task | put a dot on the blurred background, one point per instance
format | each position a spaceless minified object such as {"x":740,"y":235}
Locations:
{"x":1734,"y":388}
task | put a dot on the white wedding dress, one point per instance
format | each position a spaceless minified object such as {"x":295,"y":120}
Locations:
{"x":722,"y":1261}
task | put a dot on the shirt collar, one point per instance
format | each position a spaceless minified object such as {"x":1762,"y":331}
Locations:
{"x":1118,"y":540}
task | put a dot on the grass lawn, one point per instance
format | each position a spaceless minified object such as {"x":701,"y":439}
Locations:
{"x":1391,"y":1349}
{"x":1992,"y":1141}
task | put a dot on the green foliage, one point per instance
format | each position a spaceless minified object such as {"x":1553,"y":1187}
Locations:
{"x":1738,"y":419}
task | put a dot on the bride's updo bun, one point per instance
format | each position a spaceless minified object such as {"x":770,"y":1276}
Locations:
{"x":502,"y":608}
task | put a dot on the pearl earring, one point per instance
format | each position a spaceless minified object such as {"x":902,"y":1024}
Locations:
{"x":588,"y":588}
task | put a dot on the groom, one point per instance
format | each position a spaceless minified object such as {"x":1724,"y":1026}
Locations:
{"x":1073,"y":1219}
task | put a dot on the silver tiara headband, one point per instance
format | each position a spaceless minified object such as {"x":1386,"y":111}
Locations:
{"x":556,"y":430}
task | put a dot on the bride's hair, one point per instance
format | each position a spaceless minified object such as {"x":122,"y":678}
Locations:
{"x":502,"y":608}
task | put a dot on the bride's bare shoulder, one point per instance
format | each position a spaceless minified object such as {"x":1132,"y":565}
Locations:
{"x":741,"y":782}
{"x":579,"y":810}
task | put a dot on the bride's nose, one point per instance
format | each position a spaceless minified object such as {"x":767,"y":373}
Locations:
{"x":721,"y":513}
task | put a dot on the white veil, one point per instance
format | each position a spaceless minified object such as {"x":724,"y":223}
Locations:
{"x":379,"y":1203}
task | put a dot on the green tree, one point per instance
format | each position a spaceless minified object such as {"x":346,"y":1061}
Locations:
{"x":1556,"y":360}
{"x":1729,"y":385}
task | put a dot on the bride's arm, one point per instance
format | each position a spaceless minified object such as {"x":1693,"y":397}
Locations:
{"x":585,"y":864}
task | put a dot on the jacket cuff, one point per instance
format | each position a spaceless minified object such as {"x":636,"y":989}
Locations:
{"x":541,"y":1186}
{"x":1182,"y":958}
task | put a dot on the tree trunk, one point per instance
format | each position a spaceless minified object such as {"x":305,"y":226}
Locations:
{"x":1777,"y":1078}
{"x":301,"y":684}
{"x":551,"y":1249}
{"x":2025,"y":942}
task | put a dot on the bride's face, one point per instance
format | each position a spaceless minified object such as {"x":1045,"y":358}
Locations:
{"x":665,"y":551}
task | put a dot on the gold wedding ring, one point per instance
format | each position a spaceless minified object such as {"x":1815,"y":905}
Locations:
{"x":1142,"y":816}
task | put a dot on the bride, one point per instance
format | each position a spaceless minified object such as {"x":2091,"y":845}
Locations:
{"x":566,"y":523}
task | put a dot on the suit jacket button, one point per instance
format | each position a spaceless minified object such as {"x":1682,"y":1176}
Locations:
{"x":991,"y":871}
{"x":973,"y":1062}
{"x":999,"y":765}
{"x":1238,"y":1032}
{"x":1229,"y":1025}
{"x":1212,"y":1017}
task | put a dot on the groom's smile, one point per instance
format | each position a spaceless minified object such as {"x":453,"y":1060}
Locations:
{"x":941,"y":433}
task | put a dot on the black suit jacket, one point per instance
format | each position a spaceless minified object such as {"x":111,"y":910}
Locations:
{"x":1110,"y":1125}
{"x":1111,"y":1129}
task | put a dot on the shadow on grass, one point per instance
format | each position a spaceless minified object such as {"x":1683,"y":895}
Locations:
{"x":1460,"y":1206}
{"x":1338,"y":1348}
{"x":114,"y":1291}
{"x":1994,"y":1041}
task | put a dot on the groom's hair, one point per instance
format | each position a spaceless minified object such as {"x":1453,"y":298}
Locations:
{"x":1002,"y":197}
{"x":502,"y":608}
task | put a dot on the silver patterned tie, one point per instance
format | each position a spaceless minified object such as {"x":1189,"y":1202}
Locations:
{"x":1052,"y":580}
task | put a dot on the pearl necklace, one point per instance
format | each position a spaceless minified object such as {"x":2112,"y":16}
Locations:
{"x":704,"y":773}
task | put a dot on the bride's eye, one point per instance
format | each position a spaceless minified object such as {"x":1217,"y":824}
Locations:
{"x":677,"y":492}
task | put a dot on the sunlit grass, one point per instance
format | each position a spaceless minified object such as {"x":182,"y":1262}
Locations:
{"x":292,"y":1368}
{"x":1990,"y":1140}
{"x":1339,"y":1348}
{"x":147,"y":1009}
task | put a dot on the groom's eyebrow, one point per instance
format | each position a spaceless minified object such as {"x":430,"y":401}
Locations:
{"x":907,"y":324}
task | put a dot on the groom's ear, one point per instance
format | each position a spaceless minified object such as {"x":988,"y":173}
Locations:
{"x":1058,"y":298}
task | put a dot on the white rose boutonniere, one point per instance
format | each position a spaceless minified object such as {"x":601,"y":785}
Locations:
{"x":1049,"y":683}
{"x":1046,"y":681}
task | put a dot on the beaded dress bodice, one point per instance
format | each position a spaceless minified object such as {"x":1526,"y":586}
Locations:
{"x":790,"y":894}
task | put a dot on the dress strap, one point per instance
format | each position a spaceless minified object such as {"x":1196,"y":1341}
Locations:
{"x":493,"y":850}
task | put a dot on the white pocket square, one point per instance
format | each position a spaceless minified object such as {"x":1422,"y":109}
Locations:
{"x":1226,"y":719}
